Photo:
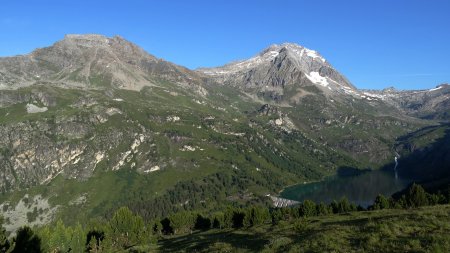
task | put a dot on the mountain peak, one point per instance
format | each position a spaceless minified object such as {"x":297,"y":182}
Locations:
{"x":298,"y":54}
{"x":92,"y":60}
{"x":294,"y":50}
{"x":88,"y":40}
{"x":85,"y":36}
{"x":93,"y":40}
{"x":279,"y":65}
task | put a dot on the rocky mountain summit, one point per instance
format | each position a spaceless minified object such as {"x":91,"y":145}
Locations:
{"x":91,"y":61}
{"x":282,"y":72}
{"x":280,"y":68}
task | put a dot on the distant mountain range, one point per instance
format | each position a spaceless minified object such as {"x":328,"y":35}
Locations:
{"x":94,"y":123}
{"x":93,"y":61}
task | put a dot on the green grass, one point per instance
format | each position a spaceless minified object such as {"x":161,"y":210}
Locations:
{"x":425,"y":229}
{"x":284,"y":158}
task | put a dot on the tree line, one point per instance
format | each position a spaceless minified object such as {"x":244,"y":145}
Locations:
{"x":127,"y":231}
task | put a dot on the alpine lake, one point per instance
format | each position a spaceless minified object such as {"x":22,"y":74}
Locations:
{"x":359,"y":187}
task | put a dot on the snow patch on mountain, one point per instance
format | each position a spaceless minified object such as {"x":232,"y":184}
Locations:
{"x":313,"y":54}
{"x":374,"y":96}
{"x":316,"y":78}
{"x":437,"y":88}
{"x":266,"y":56}
{"x":244,"y":65}
{"x":278,"y":65}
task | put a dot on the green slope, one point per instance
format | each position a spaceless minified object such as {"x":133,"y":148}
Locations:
{"x":425,"y":229}
{"x":210,"y":148}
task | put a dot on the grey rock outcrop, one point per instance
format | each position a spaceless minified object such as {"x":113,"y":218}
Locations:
{"x":279,"y":68}
{"x":428,"y":104}
{"x":92,"y":61}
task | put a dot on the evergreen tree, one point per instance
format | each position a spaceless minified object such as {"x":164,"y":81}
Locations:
{"x":127,"y":230}
{"x":94,"y":241}
{"x":255,"y":215}
{"x":218,"y":220}
{"x":77,"y":242}
{"x":307,"y":209}
{"x":416,"y":196}
{"x":157,"y":227}
{"x":322,"y":209}
{"x":238,"y":218}
{"x":4,"y":243}
{"x":202,"y":222}
{"x":435,"y":199}
{"x":277,"y":216}
{"x":60,"y":238}
{"x":182,"y":222}
{"x":344,"y":206}
{"x":334,"y":206}
{"x":228,"y":217}
{"x":26,"y":241}
{"x":381,"y":202}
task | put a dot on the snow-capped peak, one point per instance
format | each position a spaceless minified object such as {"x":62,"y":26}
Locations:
{"x":296,"y":52}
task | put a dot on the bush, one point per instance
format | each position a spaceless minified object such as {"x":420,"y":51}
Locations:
{"x":416,"y":196}
{"x":381,"y":202}
{"x":301,"y":225}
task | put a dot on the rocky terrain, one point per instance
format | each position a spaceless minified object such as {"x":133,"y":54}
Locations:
{"x":427,"y":104}
{"x":281,"y":67}
{"x":100,"y":119}
{"x":91,"y":61}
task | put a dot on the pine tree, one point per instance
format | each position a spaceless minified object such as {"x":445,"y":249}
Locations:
{"x":4,"y":243}
{"x":202,"y":222}
{"x":78,"y":239}
{"x":228,"y":217}
{"x":277,"y":216}
{"x":345,"y":206}
{"x":182,"y":222}
{"x":157,"y":227}
{"x":127,"y":230}
{"x":307,"y":209}
{"x":26,"y":241}
{"x":416,"y":196}
{"x":322,"y":209}
{"x":218,"y":220}
{"x":381,"y":202}
{"x":60,"y":238}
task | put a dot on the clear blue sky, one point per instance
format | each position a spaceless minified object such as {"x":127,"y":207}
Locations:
{"x":403,"y":43}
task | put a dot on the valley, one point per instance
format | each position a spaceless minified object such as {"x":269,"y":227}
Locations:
{"x":93,"y":123}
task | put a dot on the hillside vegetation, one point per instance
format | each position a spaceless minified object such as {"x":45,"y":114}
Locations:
{"x":417,"y":221}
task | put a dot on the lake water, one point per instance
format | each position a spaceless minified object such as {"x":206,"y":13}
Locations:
{"x":360,"y":189}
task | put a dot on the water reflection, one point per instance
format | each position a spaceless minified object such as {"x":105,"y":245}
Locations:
{"x":360,"y":189}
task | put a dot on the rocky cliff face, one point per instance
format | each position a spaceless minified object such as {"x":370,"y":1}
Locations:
{"x":92,"y":61}
{"x":74,"y":133}
{"x":428,"y":104}
{"x":280,"y":67}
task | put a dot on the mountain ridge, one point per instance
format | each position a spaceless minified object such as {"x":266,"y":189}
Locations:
{"x":94,"y":40}
{"x":144,"y":132}
{"x":277,"y":66}
{"x":115,"y":62}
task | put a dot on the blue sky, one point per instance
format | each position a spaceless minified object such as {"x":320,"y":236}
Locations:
{"x":400,"y":43}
